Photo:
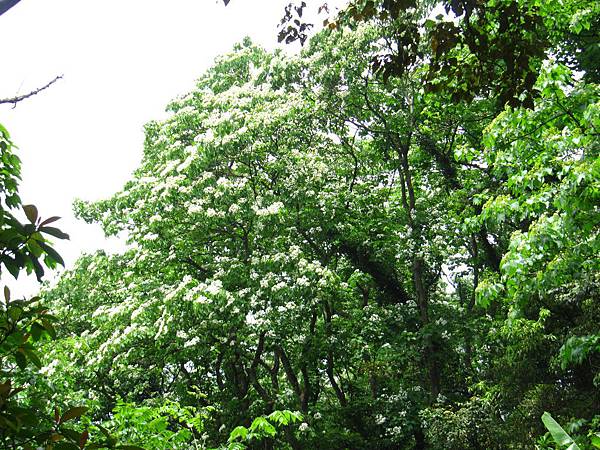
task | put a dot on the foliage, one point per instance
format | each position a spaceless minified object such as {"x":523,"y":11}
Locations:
{"x":25,"y":422}
{"x":263,"y":428}
{"x":23,"y":244}
{"x":167,"y":426}
{"x":25,"y":324}
{"x":30,"y":417}
{"x":561,"y":439}
{"x":409,"y":258}
{"x":474,"y":47}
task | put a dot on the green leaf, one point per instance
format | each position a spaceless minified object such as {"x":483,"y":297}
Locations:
{"x":36,"y":331}
{"x":31,"y":212}
{"x":72,"y":413}
{"x":596,"y":440}
{"x":21,"y":360}
{"x":53,"y":253}
{"x":11,"y":265}
{"x":111,"y":440}
{"x":29,"y":229}
{"x":33,"y":357}
{"x":49,"y":328}
{"x":52,"y":231}
{"x":49,"y":220}
{"x":66,"y":446}
{"x":25,"y":416}
{"x":559,"y":435}
{"x":261,"y":424}
{"x":15,"y":313}
{"x":35,"y":248}
{"x":37,"y":267}
{"x":238,"y":432}
{"x":236,"y":446}
{"x":285,"y":417}
{"x":69,"y":433}
{"x":4,"y":132}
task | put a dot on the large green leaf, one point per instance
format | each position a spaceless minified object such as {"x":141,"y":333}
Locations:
{"x":31,"y":212}
{"x":74,"y":412}
{"x":52,"y":253}
{"x":53,"y":231}
{"x":559,"y":435}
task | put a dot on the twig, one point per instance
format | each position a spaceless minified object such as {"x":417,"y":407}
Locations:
{"x":18,"y":98}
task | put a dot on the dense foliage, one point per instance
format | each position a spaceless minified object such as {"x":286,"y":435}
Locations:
{"x":27,"y":421}
{"x":407,"y":257}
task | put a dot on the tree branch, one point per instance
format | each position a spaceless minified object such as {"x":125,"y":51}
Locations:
{"x":289,"y":371}
{"x":18,"y":98}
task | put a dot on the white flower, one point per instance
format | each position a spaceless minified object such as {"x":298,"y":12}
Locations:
{"x":207,"y":136}
{"x":302,"y":281}
{"x":168,"y":168}
{"x":182,"y":334}
{"x":50,"y":368}
{"x":192,"y":342}
{"x":214,"y":287}
{"x":270,"y":210}
{"x":201,"y":299}
{"x":275,"y":207}
{"x":279,"y":286}
{"x":185,"y":164}
{"x":303,"y":426}
{"x":194,"y":209}
{"x":396,"y":431}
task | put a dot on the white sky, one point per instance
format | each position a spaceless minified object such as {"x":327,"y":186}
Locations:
{"x":122,"y":61}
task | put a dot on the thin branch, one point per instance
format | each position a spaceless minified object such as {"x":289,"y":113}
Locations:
{"x":15,"y":100}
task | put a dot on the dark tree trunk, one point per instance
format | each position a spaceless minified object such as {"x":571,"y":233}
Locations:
{"x":419,"y":439}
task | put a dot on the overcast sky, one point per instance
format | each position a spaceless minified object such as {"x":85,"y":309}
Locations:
{"x":122,"y":62}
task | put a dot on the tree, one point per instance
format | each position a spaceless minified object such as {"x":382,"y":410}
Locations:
{"x":399,"y":264}
{"x":475,"y":48}
{"x":26,"y":421}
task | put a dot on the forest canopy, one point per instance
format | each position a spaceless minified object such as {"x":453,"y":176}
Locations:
{"x":387,"y":241}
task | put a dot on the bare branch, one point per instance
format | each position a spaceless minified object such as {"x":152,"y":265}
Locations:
{"x":15,"y":100}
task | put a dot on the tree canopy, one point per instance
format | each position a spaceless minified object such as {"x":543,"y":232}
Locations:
{"x":389,"y":240}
